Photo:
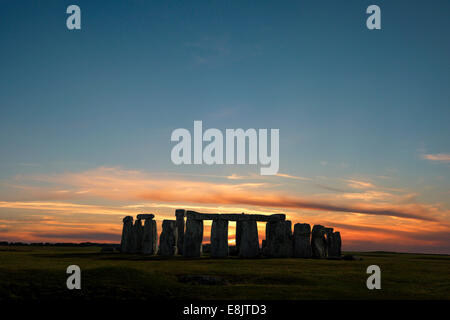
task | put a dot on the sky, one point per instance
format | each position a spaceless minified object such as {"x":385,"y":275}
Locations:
{"x":86,"y":116}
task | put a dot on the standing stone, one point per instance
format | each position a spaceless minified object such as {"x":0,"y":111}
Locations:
{"x":138,"y":233}
{"x":149,"y":239}
{"x":193,"y":237}
{"x":206,"y":248}
{"x":219,"y":238}
{"x":232,"y":251}
{"x":127,"y":234}
{"x":279,"y":239}
{"x":329,"y":239}
{"x":249,"y":246}
{"x":238,"y":235}
{"x":302,"y":240}
{"x":334,"y":244}
{"x":318,"y":242}
{"x":179,"y":213}
{"x":264,"y":247}
{"x":337,"y":236}
{"x":168,"y":238}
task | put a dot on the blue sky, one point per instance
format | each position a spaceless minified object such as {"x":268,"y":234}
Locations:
{"x":349,"y":102}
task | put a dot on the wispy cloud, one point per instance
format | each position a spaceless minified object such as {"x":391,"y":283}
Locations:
{"x":358,"y":184}
{"x":235,"y":176}
{"x":79,"y":205}
{"x":288,"y":176}
{"x":132,"y":185}
{"x":66,"y":207}
{"x":253,"y":176}
{"x":80,"y":236}
{"x":438,"y":157}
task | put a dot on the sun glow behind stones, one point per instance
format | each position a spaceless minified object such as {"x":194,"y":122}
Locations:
{"x":388,"y":217}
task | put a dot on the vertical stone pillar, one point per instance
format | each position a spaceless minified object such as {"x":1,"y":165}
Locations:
{"x":168,"y":238}
{"x":127,"y":234}
{"x":334,"y":244}
{"x":219,"y":238}
{"x":179,"y":213}
{"x":264,"y":247}
{"x":337,"y":236}
{"x":138,"y":233}
{"x":238,"y":235}
{"x":278,"y":239}
{"x":149,"y":239}
{"x":302,"y":240}
{"x":249,"y":245}
{"x":318,"y":242}
{"x":193,"y":237}
{"x":329,"y":240}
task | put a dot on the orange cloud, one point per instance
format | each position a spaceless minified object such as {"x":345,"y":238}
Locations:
{"x":288,"y":176}
{"x":132,"y":185}
{"x":77,"y":205}
{"x":359,"y":184}
{"x":441,"y":157}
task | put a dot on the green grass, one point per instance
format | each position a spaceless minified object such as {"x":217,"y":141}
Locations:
{"x":40,"y":273}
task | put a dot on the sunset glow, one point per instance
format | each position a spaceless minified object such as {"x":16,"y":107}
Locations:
{"x":361,"y":118}
{"x":89,"y":206}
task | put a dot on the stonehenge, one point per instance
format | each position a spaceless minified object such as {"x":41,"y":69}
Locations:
{"x":278,"y":239}
{"x":318,"y":242}
{"x":334,"y":244}
{"x":249,"y":246}
{"x":234,"y":216}
{"x":168,"y":238}
{"x":138,"y":232}
{"x":184,"y":235}
{"x":145,"y":216}
{"x":127,"y":235}
{"x":149,"y":239}
{"x":219,"y":238}
{"x":238,"y":235}
{"x":137,"y":238}
{"x":302,"y":242}
{"x":179,"y":214}
{"x":193,"y":237}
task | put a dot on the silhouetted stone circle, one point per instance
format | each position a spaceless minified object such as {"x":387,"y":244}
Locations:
{"x":184,"y":236}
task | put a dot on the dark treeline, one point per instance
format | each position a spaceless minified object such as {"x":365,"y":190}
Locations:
{"x":60,"y":244}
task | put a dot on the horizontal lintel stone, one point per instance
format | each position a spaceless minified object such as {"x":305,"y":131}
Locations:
{"x":235,"y":216}
{"x":144,"y":216}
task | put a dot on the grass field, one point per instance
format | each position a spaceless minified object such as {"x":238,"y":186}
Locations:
{"x":40,"y":273}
